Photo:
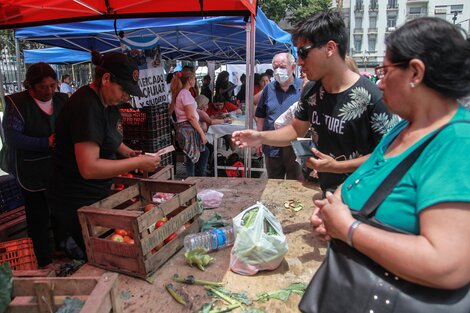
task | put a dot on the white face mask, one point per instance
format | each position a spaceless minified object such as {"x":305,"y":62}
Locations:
{"x":281,"y":75}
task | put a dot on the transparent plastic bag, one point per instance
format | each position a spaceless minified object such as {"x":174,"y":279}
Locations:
{"x":210,"y":198}
{"x":260,"y":243}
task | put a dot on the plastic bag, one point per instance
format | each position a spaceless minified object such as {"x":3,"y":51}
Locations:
{"x":260,"y":243}
{"x":210,"y":198}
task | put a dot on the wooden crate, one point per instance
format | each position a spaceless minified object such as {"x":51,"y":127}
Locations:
{"x":38,"y":295}
{"x":125,"y":210}
{"x":13,"y":224}
{"x":161,"y":173}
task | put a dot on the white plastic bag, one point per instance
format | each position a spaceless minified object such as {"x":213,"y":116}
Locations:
{"x":260,"y":243}
{"x":210,"y":198}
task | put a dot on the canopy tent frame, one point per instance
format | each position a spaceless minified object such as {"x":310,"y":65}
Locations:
{"x":230,"y":53}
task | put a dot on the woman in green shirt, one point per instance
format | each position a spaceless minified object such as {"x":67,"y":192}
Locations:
{"x":426,"y":69}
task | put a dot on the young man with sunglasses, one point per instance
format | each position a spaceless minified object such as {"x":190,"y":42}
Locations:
{"x":345,"y":110}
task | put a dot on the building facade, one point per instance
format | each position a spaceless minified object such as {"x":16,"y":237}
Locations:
{"x":371,"y":21}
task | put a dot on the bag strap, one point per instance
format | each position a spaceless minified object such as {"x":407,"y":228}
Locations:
{"x":386,"y":187}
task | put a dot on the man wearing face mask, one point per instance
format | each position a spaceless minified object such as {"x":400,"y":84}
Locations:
{"x":276,"y":98}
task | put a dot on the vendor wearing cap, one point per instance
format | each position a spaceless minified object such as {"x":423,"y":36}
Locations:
{"x":89,"y":148}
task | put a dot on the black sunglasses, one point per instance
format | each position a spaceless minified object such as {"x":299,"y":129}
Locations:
{"x":303,"y":52}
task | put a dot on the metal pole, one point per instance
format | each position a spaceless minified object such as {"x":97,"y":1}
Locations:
{"x":19,"y":73}
{"x":249,"y":85}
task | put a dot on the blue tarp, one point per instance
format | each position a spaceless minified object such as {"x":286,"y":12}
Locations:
{"x":55,"y":55}
{"x":216,"y":38}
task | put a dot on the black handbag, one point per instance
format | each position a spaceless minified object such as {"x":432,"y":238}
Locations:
{"x":350,"y":282}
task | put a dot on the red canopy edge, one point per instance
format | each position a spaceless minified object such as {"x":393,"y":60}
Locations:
{"x":25,"y":13}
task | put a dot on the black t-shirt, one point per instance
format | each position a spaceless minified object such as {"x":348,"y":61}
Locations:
{"x":346,"y":125}
{"x":83,"y":118}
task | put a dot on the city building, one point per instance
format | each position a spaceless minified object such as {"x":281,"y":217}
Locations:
{"x":371,"y":21}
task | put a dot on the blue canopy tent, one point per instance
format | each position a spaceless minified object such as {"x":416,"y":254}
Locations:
{"x":55,"y":55}
{"x":194,"y":38}
{"x":228,"y":39}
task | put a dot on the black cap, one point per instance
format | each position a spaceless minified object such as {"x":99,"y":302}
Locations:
{"x":125,"y":71}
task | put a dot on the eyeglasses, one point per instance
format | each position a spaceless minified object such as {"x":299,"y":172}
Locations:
{"x":380,"y":70}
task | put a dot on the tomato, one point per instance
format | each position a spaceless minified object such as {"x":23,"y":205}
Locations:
{"x":170,"y":238}
{"x":149,"y":207}
{"x":117,"y":238}
{"x":160,"y":223}
{"x":121,"y":232}
{"x":119,"y":187}
{"x":128,"y":240}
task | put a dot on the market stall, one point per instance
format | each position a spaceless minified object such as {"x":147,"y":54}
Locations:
{"x":303,"y":258}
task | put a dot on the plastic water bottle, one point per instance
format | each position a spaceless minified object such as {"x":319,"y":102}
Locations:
{"x":210,"y":240}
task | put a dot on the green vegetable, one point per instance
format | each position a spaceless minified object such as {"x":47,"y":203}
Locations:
{"x":198,"y":257}
{"x":253,"y":310}
{"x":215,"y":221}
{"x":191,"y":280}
{"x":71,"y":305}
{"x":220,"y":292}
{"x":282,"y":294}
{"x":6,"y":285}
{"x":172,"y":291}
{"x":249,"y":217}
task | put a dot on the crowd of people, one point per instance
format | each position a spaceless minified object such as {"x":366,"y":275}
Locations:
{"x":66,"y":147}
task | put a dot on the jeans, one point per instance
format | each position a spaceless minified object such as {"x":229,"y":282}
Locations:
{"x":201,"y":165}
{"x":200,"y":168}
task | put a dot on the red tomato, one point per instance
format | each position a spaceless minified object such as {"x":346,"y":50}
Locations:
{"x":119,"y":187}
{"x":121,"y":232}
{"x":170,"y":238}
{"x":160,"y":223}
{"x":117,"y":238}
{"x":128,"y":240}
{"x":149,"y":207}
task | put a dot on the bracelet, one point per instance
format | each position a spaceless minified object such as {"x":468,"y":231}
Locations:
{"x":351,"y":230}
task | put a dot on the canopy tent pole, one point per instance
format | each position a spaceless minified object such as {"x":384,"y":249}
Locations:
{"x":18,"y":64}
{"x":249,"y":85}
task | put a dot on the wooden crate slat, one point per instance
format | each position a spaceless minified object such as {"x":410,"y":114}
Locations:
{"x":168,"y":228}
{"x":96,"y":303}
{"x":118,"y":264}
{"x":110,"y":218}
{"x":156,"y":260}
{"x":165,"y":173}
{"x":99,"y":293}
{"x":43,"y":292}
{"x":118,"y":198}
{"x":62,"y":285}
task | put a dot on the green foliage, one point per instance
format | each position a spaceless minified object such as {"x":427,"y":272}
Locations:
{"x":294,"y":11}
{"x":307,"y":9}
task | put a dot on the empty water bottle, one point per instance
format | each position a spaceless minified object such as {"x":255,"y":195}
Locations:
{"x":210,"y":240}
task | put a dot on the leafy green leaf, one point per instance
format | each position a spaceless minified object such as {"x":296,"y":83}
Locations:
{"x":198,"y":257}
{"x":6,"y":285}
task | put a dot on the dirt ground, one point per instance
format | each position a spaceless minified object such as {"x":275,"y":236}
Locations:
{"x":303,"y":258}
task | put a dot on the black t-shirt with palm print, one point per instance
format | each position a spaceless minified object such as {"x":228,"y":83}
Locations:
{"x":345,"y":125}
